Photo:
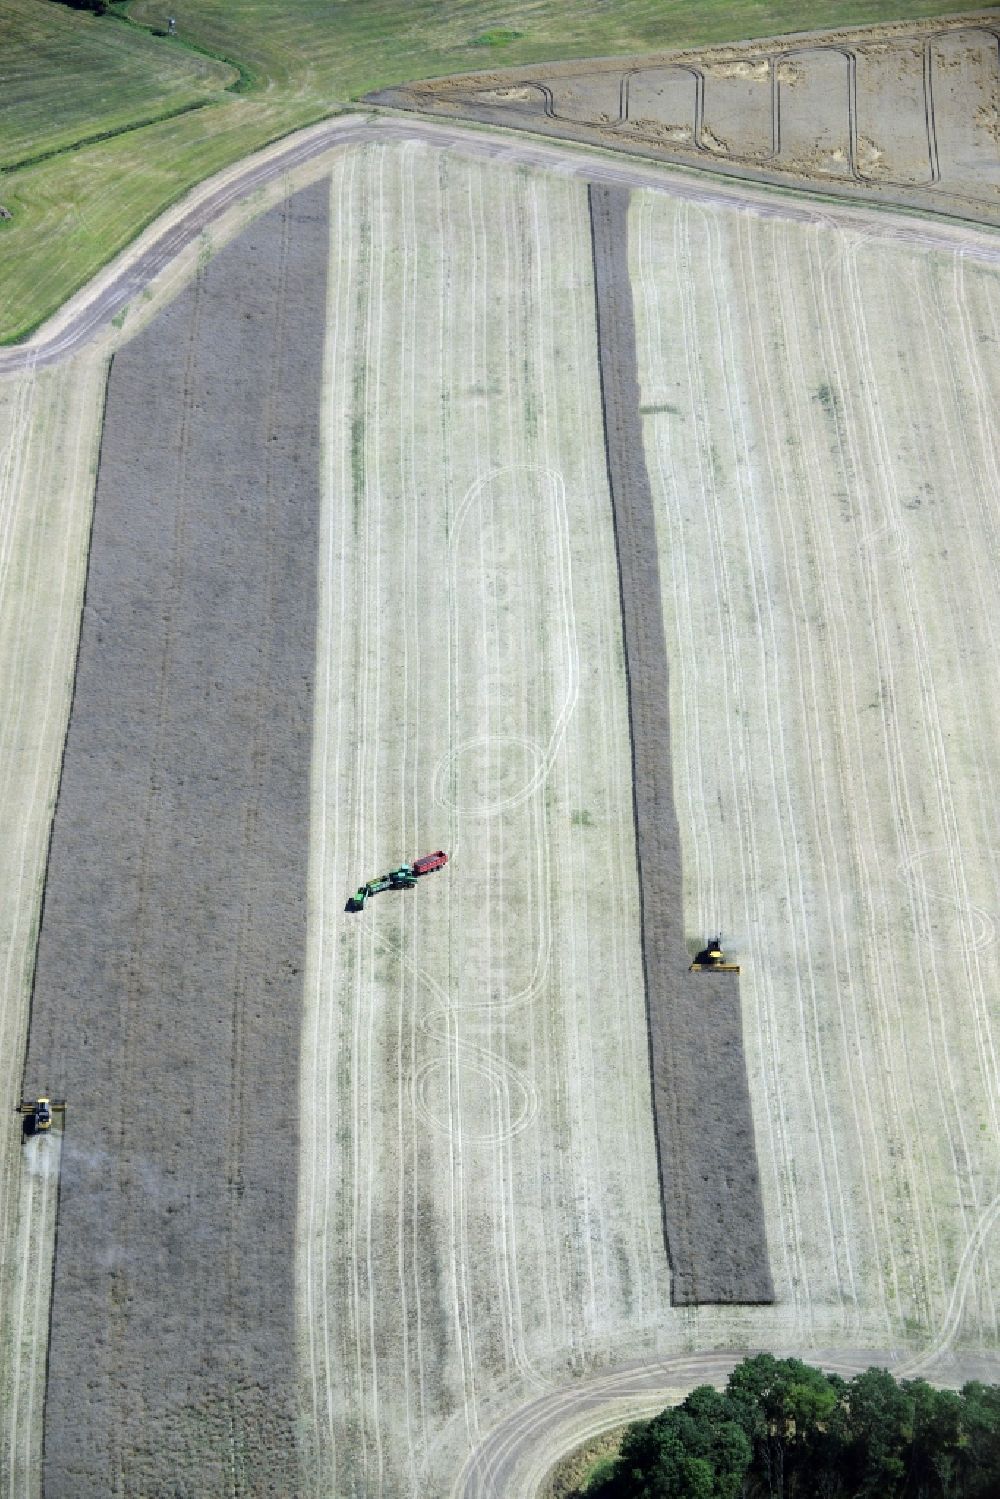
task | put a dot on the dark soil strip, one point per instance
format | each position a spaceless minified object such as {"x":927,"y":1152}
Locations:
{"x":168,"y":988}
{"x":710,"y":1190}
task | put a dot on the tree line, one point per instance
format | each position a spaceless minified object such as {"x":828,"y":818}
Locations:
{"x":782,"y":1429}
{"x":99,"y":7}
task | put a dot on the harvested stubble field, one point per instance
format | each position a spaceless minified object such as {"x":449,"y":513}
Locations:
{"x":478,"y":1207}
{"x":516,"y":1239}
{"x":49,"y":426}
{"x":821,"y":431}
{"x":473,"y":1046}
{"x":710,"y":1190}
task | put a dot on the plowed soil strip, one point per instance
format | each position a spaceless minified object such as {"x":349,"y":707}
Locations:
{"x":168,"y":986}
{"x":712,"y":1211}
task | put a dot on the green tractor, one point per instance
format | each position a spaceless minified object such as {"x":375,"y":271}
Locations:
{"x":357,"y":900}
{"x":402,"y":878}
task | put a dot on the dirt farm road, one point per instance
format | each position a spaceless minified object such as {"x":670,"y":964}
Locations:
{"x":93,"y":307}
{"x":515,"y":1457}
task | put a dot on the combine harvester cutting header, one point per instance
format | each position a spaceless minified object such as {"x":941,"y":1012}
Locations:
{"x":712,"y":959}
{"x":37,"y":1114}
{"x":403,"y":878}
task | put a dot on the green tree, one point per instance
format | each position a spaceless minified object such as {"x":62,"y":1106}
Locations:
{"x":934,"y":1461}
{"x":784,"y":1430}
{"x":979,"y":1463}
{"x":697,"y":1450}
{"x":879,"y":1432}
{"x":783,"y":1405}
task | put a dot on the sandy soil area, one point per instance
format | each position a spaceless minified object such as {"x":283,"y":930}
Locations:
{"x":712,"y":1211}
{"x":166,"y":1004}
{"x":904,"y":114}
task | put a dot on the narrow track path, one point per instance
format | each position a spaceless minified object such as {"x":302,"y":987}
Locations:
{"x":92,"y":308}
{"x":512,"y":1461}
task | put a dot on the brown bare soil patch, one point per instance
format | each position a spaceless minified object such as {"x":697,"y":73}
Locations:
{"x":902,"y":114}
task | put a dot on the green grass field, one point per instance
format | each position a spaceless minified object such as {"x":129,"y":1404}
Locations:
{"x":66,"y":77}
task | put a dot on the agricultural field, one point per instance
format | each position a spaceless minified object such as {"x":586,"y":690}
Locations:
{"x":49,"y":430}
{"x":904,"y":114}
{"x":820,"y":430}
{"x":68,"y":77}
{"x":833,"y":778}
{"x":475,"y":1258}
{"x":473,"y":1047}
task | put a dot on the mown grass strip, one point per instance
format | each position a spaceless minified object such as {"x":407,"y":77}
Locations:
{"x":67,"y":76}
{"x":246,"y":79}
{"x":102,"y":135}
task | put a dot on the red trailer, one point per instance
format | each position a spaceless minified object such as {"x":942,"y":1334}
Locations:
{"x":430,"y":861}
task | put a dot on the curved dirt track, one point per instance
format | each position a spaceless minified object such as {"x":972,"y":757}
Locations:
{"x":514,"y":1459}
{"x":91,"y":309}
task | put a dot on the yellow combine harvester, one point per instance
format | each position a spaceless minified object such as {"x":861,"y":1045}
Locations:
{"x":712,"y":959}
{"x":38,"y":1113}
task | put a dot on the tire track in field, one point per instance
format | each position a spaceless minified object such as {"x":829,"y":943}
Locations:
{"x":832,"y":366}
{"x":750,"y":539}
{"x":484,"y":524}
{"x":519,"y":250}
{"x":409,"y":804}
{"x":752,"y":667}
{"x":808,"y":417}
{"x":501,"y":1327}
{"x":464,"y":347}
{"x":619,"y":1170}
{"x":881,"y":546}
{"x":771,"y":688}
{"x":36,"y":1210}
{"x":983,"y":470}
{"x":805,"y":415}
{"x":971,"y":467}
{"x":931,"y":725}
{"x":518,"y":1454}
{"x":317,"y":1090}
{"x":876,"y":1162}
{"x":802,"y":575}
